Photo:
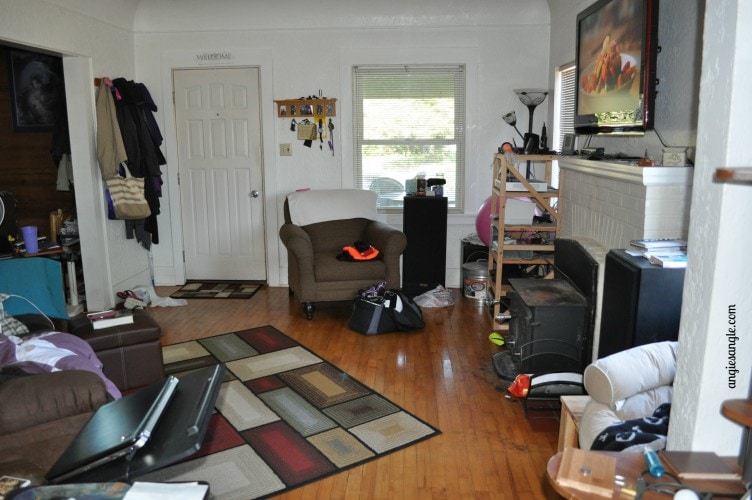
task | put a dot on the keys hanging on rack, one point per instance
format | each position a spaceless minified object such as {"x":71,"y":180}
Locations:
{"x":331,"y":136}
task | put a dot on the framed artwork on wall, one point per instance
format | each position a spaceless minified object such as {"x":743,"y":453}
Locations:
{"x":568,"y":147}
{"x":37,"y":90}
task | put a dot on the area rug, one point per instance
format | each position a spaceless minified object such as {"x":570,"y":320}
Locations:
{"x":284,"y":417}
{"x":211,"y":290}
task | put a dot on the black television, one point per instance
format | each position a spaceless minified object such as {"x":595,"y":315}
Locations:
{"x":617,"y":48}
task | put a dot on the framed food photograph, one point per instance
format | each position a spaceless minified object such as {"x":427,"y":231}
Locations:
{"x":36,"y":90}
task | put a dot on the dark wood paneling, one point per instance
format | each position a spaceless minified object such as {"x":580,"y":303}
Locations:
{"x":26,"y":166}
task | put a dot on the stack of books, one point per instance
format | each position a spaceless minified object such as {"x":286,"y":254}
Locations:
{"x":110,"y":318}
{"x":662,"y":252}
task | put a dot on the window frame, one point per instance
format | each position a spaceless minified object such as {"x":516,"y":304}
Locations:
{"x":459,"y":139}
{"x":565,"y":86}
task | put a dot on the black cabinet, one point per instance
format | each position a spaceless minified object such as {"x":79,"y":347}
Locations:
{"x":641,"y":303}
{"x":424,"y":222}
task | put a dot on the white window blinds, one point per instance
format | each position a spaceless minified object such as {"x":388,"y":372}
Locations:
{"x":409,"y":120}
{"x":566,"y":83}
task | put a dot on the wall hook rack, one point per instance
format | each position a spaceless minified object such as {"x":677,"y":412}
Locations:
{"x":312,"y":106}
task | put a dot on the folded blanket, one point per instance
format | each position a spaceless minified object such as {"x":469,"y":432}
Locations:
{"x":51,"y":352}
{"x":636,"y":434}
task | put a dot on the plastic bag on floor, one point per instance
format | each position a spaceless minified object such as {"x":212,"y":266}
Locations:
{"x":438,"y":297}
{"x":148,"y":295}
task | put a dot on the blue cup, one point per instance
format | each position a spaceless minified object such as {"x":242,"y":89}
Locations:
{"x":29,"y":234}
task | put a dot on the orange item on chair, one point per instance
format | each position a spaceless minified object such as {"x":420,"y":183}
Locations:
{"x":369,"y":253}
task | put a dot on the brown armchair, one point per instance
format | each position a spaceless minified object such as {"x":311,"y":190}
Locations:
{"x":317,"y":225}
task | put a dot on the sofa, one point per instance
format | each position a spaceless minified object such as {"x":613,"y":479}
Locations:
{"x":631,"y":385}
{"x":131,"y":353}
{"x":43,"y":410}
{"x":40,"y":416}
{"x":318,"y":224}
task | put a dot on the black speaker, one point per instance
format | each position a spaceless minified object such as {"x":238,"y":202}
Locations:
{"x":424,"y":222}
{"x":8,"y":221}
{"x":641,"y":303}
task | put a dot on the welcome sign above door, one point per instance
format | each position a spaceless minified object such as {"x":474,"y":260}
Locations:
{"x":214,"y":58}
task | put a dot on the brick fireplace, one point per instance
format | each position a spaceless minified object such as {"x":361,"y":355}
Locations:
{"x":604,"y":205}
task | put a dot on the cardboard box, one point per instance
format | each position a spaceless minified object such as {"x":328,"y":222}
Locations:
{"x":519,"y":211}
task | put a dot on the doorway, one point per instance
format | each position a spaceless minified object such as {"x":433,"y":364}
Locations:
{"x":218,"y":123}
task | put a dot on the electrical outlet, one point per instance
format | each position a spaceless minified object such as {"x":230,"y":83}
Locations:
{"x":285,"y":149}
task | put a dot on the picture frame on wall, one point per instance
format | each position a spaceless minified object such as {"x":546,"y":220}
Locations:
{"x":37,"y":90}
{"x":568,"y":148}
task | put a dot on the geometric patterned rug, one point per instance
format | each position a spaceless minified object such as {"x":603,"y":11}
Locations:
{"x":284,"y":417}
{"x":211,"y":290}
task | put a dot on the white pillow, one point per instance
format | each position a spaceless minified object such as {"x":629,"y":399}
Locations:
{"x":626,"y":373}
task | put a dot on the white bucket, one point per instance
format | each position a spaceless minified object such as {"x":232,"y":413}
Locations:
{"x":475,"y":281}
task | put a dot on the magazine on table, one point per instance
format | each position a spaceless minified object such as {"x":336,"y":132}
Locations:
{"x":668,"y":259}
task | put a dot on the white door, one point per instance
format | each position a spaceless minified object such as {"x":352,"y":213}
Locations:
{"x":219,"y":163}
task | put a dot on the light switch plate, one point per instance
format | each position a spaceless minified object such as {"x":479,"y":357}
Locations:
{"x":285,"y":149}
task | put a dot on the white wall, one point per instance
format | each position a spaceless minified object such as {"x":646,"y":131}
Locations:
{"x":95,"y":37}
{"x":717,"y":275}
{"x":301,"y":49}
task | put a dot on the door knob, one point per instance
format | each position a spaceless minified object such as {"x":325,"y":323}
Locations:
{"x":255,"y":194}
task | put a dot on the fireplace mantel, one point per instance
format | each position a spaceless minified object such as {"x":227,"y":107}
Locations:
{"x":612,"y":203}
{"x":629,"y":172}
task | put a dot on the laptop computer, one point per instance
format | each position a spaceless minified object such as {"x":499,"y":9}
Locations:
{"x":181,"y":431}
{"x":117,"y":429}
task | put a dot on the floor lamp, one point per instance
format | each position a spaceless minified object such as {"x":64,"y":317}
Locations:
{"x":530,"y":98}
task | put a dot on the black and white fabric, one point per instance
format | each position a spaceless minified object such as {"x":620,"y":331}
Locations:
{"x":636,"y":435}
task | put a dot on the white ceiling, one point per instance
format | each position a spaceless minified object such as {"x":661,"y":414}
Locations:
{"x":198,"y":15}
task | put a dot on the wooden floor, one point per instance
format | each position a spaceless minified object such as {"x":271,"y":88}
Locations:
{"x":442,"y":374}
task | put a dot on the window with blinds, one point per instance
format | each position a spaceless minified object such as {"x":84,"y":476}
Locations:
{"x":565,"y":87}
{"x":566,"y":80}
{"x":409,"y":120}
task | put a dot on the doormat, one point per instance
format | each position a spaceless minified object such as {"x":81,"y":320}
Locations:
{"x":284,"y":417}
{"x":210,"y":290}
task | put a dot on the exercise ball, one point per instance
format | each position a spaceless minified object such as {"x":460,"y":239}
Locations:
{"x":483,"y":222}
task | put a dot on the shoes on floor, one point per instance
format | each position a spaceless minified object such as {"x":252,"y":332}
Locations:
{"x":132,"y":300}
{"x":131,"y":303}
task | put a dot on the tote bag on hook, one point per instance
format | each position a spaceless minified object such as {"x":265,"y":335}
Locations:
{"x":128,"y":197}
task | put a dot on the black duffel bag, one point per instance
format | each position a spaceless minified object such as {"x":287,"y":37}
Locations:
{"x":390,"y":312}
